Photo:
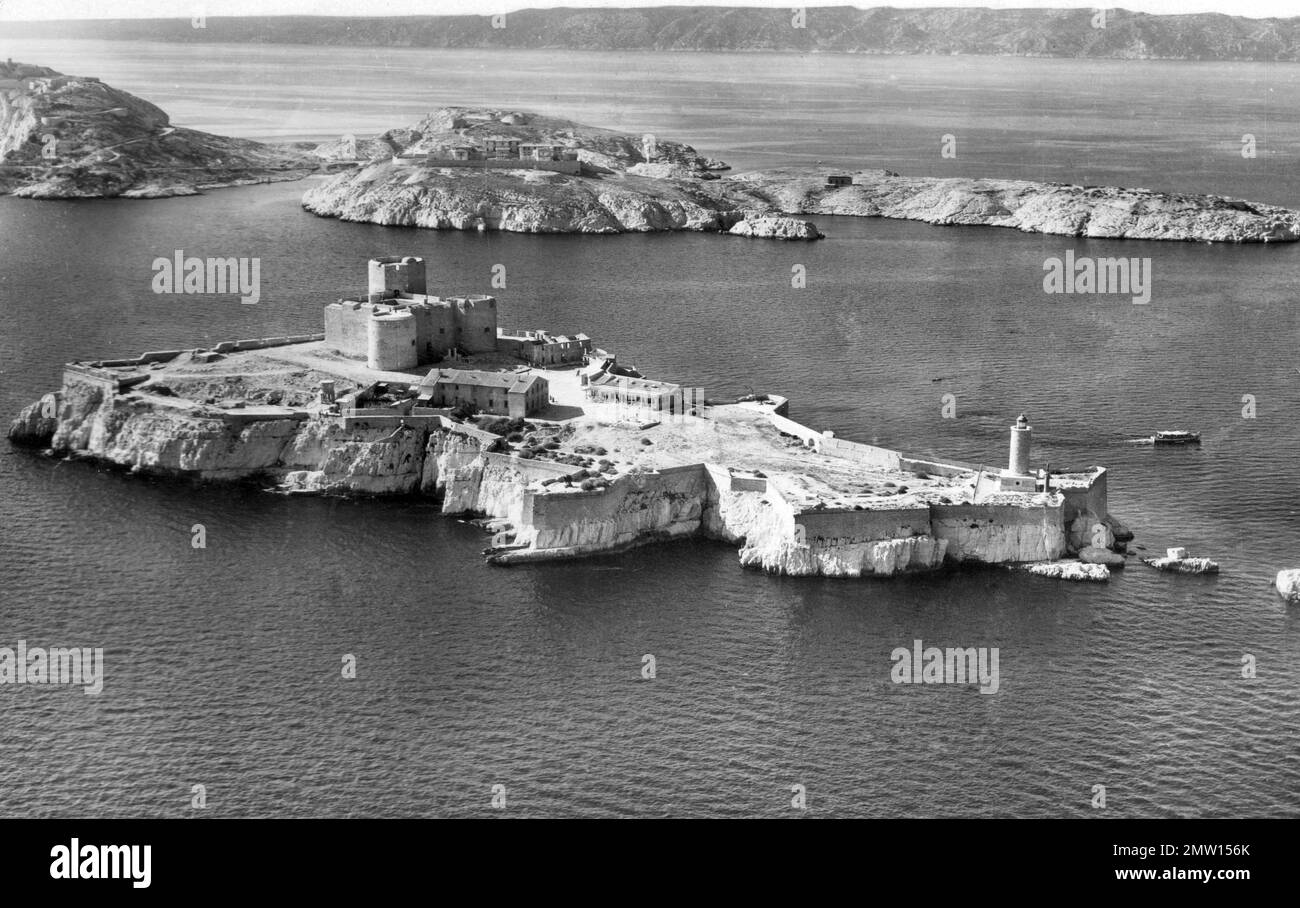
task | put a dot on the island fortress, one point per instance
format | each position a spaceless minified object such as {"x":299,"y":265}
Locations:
{"x":562,"y":449}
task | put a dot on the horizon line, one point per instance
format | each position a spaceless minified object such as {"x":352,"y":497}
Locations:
{"x":1083,"y":7}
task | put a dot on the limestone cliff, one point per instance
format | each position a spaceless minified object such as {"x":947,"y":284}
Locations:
{"x":75,"y":137}
{"x":540,"y":513}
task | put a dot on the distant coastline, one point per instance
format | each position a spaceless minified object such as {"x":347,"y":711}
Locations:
{"x":1046,"y":33}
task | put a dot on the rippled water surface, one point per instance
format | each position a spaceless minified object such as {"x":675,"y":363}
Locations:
{"x":223,"y":664}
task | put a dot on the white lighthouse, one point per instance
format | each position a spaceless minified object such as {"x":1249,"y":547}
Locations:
{"x":1016,"y":477}
{"x":1022,"y":435}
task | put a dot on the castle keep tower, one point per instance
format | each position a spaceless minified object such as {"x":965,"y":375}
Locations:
{"x":394,"y":274}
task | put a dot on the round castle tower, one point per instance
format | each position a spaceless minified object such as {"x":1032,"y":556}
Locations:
{"x":391,"y":341}
{"x":392,"y":274}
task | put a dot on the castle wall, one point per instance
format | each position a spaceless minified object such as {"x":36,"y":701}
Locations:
{"x":858,"y":526}
{"x":476,"y":323}
{"x":870,"y":455}
{"x":1090,"y":500}
{"x":518,"y":347}
{"x":426,"y":331}
{"x":442,"y":328}
{"x":347,"y":328}
{"x":569,"y":167}
{"x":997,"y":534}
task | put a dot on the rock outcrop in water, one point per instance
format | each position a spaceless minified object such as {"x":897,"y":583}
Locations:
{"x":1288,"y":585}
{"x":65,"y":137}
{"x":1071,"y":570}
{"x":1104,"y":212}
{"x":627,"y":184}
{"x":1177,"y":561}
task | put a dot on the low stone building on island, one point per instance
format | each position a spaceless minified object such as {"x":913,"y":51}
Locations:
{"x":537,"y":348}
{"x":512,"y":394}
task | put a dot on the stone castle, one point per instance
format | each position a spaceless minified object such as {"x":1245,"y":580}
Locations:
{"x":398,"y":326}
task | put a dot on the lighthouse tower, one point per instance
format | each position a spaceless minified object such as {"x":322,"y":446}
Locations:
{"x":1016,"y":477}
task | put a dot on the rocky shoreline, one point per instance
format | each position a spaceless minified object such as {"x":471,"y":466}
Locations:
{"x":627,"y":185}
{"x":793,"y":500}
{"x":74,"y":137}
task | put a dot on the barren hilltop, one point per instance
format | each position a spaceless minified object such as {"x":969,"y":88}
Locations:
{"x":76,"y":137}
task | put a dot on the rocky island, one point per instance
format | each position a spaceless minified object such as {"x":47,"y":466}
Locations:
{"x":473,"y":168}
{"x":558,"y":447}
{"x":465,"y":168}
{"x":68,"y":137}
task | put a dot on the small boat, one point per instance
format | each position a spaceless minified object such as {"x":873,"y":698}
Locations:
{"x":1178,"y":437}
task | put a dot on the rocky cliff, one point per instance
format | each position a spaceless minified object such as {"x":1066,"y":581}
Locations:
{"x":309,"y":450}
{"x":75,"y":137}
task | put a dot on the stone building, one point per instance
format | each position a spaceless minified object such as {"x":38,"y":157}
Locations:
{"x":501,"y":146}
{"x":538,"y":348}
{"x":642,"y":393}
{"x":512,"y":394}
